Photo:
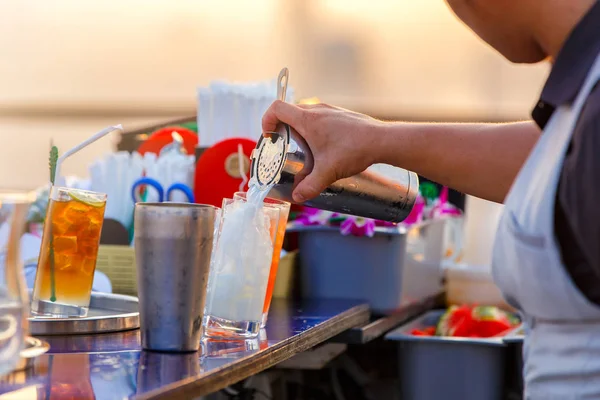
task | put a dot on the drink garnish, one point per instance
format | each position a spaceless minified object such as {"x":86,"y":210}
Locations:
{"x":86,"y":199}
{"x":53,"y":161}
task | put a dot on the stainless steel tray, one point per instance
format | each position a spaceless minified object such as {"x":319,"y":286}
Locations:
{"x":108,"y":313}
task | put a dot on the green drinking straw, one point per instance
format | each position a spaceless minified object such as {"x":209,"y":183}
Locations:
{"x":53,"y":161}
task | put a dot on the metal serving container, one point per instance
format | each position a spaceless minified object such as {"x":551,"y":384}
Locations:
{"x":109,"y":312}
{"x":514,"y":363}
{"x":396,"y":265}
{"x":437,"y":367}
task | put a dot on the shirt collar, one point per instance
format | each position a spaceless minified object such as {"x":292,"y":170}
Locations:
{"x":571,"y":66}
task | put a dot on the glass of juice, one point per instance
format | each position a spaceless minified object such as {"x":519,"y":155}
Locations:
{"x":67,"y":261}
{"x":240,"y":267}
{"x":284,"y":212}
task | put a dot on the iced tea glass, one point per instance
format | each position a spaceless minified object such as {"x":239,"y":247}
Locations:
{"x":239,"y":272}
{"x":284,"y":212}
{"x":67,"y":261}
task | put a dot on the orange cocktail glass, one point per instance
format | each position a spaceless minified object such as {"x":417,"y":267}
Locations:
{"x":284,"y":212}
{"x":64,"y":276}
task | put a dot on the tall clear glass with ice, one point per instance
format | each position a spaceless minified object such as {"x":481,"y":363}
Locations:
{"x":240,"y":268}
{"x":14,"y":303}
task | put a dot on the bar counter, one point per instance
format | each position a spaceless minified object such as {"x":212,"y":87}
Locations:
{"x":113,"y":366}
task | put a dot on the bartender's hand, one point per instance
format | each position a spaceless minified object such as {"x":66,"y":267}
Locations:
{"x":342,"y":142}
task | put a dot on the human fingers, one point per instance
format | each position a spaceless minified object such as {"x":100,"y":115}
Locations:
{"x":313,"y":184}
{"x":281,"y":111}
{"x":309,"y":106}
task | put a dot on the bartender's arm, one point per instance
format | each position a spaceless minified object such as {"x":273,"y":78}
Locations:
{"x":477,"y":159}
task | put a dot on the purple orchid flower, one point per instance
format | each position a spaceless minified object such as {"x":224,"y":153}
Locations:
{"x":358,"y":226}
{"x":314,"y":216}
{"x":349,"y":224}
{"x":446,"y":209}
{"x":443,"y":206}
{"x":384,"y":224}
{"x":416,"y":214}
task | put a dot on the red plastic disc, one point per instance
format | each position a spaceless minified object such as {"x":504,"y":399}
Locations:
{"x":216,"y":171}
{"x":162,"y":137}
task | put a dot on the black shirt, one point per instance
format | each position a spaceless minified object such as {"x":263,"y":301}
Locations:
{"x":577,"y":207}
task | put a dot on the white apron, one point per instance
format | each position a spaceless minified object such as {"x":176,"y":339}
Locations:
{"x":562,"y":346}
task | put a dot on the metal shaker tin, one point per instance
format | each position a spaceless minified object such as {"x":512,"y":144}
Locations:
{"x":279,"y":156}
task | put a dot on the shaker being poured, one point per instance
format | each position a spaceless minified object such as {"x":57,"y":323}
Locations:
{"x":281,"y":155}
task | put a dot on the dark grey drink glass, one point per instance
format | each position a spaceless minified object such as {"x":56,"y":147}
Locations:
{"x":173,"y":245}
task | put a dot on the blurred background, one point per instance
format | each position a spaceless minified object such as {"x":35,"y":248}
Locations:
{"x":69,"y":68}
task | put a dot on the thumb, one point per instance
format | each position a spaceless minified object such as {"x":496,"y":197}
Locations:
{"x":311,"y":186}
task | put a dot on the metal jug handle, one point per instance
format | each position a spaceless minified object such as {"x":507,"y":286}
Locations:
{"x":282,"y":82}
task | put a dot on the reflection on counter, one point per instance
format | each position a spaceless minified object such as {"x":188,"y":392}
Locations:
{"x":69,"y":377}
{"x":160,"y":369}
{"x":113,"y":365}
{"x":215,"y":348}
